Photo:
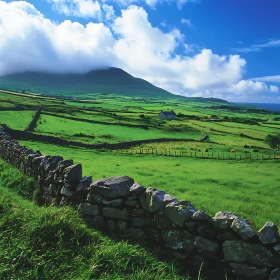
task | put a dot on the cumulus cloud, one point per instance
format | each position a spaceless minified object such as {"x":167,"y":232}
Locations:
{"x":109,"y":12}
{"x":78,"y":8}
{"x":249,"y":87}
{"x":30,"y":41}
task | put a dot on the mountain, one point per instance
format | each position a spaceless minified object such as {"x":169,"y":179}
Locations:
{"x":105,"y":81}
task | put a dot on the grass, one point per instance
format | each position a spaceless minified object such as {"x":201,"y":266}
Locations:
{"x":243,"y":187}
{"x":16,"y":119}
{"x":54,"y":243}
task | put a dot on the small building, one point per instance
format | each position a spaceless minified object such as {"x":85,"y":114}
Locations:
{"x":171,"y":115}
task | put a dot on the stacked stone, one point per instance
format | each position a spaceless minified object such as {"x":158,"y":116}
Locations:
{"x":226,"y":243}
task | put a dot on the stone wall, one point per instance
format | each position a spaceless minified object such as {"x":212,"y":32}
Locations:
{"x":34,"y":120}
{"x":225,"y":244}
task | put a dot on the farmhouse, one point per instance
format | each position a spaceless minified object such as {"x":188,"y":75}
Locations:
{"x":171,"y":115}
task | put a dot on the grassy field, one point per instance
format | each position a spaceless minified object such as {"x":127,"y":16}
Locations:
{"x":54,"y":243}
{"x":242,"y":187}
{"x":248,"y":188}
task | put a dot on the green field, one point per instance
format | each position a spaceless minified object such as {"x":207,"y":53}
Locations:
{"x":54,"y":243}
{"x":248,"y":188}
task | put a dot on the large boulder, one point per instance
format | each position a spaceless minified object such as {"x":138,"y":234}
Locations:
{"x":224,"y":219}
{"x":242,"y":228}
{"x":268,"y":234}
{"x":179,"y":212}
{"x":113,"y":187}
{"x":72,"y":176}
{"x":152,"y":199}
{"x":240,"y":251}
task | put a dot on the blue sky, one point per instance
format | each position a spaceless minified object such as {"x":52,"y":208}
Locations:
{"x":227,"y":49}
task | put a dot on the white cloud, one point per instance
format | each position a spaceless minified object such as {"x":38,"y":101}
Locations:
{"x":258,"y":47}
{"x":274,"y":89}
{"x":109,"y":12}
{"x":186,"y":21}
{"x":249,"y":87}
{"x":273,"y":79}
{"x":78,"y":8}
{"x":29,"y":41}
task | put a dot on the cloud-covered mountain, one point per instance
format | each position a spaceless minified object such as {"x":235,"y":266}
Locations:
{"x":32,"y":42}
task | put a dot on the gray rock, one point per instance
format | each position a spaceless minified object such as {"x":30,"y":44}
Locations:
{"x":96,"y":221}
{"x":122,"y":226}
{"x":137,"y":234}
{"x":113,"y":187}
{"x":228,"y":235}
{"x":268,"y":234}
{"x":142,"y":221}
{"x":224,"y":219}
{"x":241,"y":227}
{"x":161,"y":220}
{"x":201,"y":216}
{"x":116,"y":213}
{"x":177,"y":240}
{"x":203,"y":245}
{"x":248,"y":271}
{"x":114,"y":202}
{"x":84,"y":184}
{"x":137,"y":212}
{"x":66,"y":192}
{"x":72,"y":176}
{"x":179,"y":212}
{"x":111,"y":225}
{"x":87,"y":209}
{"x":95,"y":198}
{"x":135,"y":203}
{"x":136,"y":189}
{"x":152,"y":199}
{"x":240,"y":251}
{"x":274,"y":275}
{"x":277,"y":248}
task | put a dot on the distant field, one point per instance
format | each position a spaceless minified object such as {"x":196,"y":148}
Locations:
{"x":248,"y":188}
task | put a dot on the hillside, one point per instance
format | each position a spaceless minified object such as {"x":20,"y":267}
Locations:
{"x":105,"y":81}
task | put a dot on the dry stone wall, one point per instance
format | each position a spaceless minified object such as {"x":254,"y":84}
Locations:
{"x":225,"y":244}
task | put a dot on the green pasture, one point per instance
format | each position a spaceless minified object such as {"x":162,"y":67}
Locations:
{"x":99,"y":133}
{"x":16,"y":119}
{"x":247,"y":188}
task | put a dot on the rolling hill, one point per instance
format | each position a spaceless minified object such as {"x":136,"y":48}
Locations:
{"x":82,"y":86}
{"x":105,"y":81}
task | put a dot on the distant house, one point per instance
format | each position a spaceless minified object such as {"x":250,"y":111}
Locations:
{"x":171,"y":115}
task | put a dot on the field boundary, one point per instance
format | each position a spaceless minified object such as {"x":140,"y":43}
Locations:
{"x":127,"y":147}
{"x":203,"y":155}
